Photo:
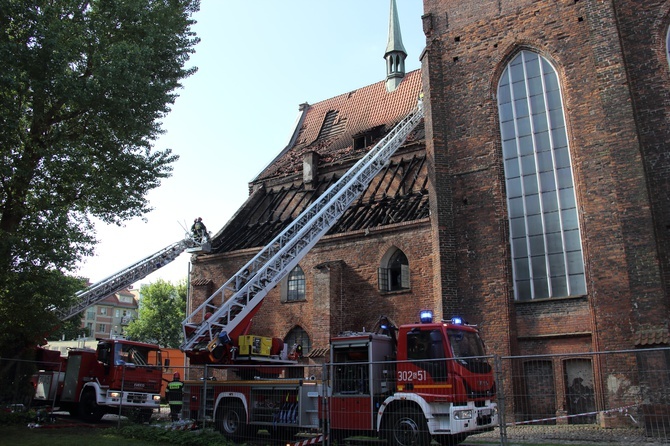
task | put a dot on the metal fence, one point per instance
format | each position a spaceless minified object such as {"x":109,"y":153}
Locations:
{"x":620,"y":397}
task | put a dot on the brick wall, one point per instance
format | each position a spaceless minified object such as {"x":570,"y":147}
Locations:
{"x":341,"y":284}
{"x":612,"y":66}
{"x":468,"y":46}
{"x":643,"y":28}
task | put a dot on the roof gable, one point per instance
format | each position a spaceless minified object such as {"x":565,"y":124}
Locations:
{"x":329,"y":126}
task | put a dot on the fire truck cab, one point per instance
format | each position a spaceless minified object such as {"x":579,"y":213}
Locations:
{"x":433,"y":381}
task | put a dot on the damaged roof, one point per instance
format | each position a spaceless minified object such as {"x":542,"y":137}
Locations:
{"x":398,"y":194}
{"x":329,"y":127}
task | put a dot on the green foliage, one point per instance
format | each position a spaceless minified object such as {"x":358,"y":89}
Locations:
{"x":8,"y":418}
{"x":162,"y":309}
{"x":26,"y":318}
{"x":127,"y":434}
{"x":83,"y":89}
{"x":183,"y":438}
{"x":19,"y":434}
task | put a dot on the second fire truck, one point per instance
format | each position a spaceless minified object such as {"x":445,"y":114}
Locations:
{"x":408,"y":385}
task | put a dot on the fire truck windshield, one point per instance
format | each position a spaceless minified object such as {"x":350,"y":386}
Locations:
{"x":465,"y":344}
{"x":128,"y":354}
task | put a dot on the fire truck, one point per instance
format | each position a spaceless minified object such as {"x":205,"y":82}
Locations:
{"x":408,"y":384}
{"x":118,"y":375}
{"x":88,"y":383}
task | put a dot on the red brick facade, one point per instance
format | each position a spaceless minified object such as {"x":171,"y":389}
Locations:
{"x":610,"y":58}
{"x":341,"y":284}
{"x":612,"y":65}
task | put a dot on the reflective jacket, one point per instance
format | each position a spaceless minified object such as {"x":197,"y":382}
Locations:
{"x":174,"y":392}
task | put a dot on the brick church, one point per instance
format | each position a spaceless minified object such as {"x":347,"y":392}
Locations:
{"x":533,"y":200}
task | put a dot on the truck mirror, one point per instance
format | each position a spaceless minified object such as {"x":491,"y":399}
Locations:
{"x":166,"y":363}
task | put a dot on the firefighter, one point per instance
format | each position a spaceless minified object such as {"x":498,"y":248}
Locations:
{"x":175,"y":396}
{"x":199,"y":230}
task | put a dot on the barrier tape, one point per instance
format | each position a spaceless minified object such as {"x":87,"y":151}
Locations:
{"x":314,"y":440}
{"x":623,"y":409}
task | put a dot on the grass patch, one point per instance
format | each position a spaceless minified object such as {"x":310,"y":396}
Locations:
{"x":103,"y":434}
{"x":67,"y":437}
{"x":108,"y":436}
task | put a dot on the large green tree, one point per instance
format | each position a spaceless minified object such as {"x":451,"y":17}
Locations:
{"x":162,"y":308}
{"x":83,"y":88}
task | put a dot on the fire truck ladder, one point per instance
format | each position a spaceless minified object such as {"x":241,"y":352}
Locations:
{"x":126,"y":277}
{"x":235,"y":302}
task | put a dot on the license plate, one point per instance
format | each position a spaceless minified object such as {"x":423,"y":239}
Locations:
{"x":485,"y":412}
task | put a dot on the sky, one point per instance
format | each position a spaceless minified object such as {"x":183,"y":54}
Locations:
{"x":257,"y":61}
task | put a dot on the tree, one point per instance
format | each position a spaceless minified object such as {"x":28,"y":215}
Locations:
{"x":83,"y":88}
{"x":162,"y":309}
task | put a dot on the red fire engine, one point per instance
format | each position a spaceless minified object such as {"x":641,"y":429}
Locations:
{"x":118,"y":374}
{"x":90,"y":383}
{"x":409,"y":385}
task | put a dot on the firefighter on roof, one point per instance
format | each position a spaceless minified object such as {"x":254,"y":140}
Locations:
{"x":199,"y":230}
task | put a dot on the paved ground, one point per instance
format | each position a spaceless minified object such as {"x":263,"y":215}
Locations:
{"x":570,"y":435}
{"x":585,"y":434}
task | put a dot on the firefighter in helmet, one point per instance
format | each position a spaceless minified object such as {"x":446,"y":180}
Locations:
{"x":175,"y":396}
{"x":199,"y":230}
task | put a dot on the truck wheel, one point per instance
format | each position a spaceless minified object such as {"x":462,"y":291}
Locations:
{"x":89,"y":410}
{"x":408,"y":428}
{"x":231,"y":421}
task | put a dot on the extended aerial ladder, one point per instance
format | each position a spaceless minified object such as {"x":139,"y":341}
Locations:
{"x":226,"y":314}
{"x":131,"y":274}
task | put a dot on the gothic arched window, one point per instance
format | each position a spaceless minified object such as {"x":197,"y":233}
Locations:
{"x":298,"y":336}
{"x":393,"y":273}
{"x":545,"y":237}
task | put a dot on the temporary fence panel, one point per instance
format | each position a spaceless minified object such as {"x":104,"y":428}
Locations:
{"x":618,"y":397}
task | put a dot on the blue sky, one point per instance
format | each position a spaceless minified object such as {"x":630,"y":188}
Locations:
{"x":257,"y":61}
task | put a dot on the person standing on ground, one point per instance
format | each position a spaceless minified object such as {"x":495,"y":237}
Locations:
{"x":175,"y":396}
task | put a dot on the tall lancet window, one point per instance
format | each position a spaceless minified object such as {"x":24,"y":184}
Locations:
{"x":545,"y":236}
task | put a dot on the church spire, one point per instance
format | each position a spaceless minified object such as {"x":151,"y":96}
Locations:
{"x":395,"y":52}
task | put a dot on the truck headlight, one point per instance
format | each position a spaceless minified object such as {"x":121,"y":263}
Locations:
{"x":157,"y":398}
{"x":463,"y":414}
{"x":115,"y":394}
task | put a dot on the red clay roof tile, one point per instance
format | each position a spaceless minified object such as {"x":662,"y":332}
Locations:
{"x":329,"y":126}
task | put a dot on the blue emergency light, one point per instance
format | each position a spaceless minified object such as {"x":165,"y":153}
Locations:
{"x":426,"y":316}
{"x":457,"y":320}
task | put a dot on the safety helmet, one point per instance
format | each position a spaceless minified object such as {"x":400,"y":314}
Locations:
{"x":176,"y":376}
